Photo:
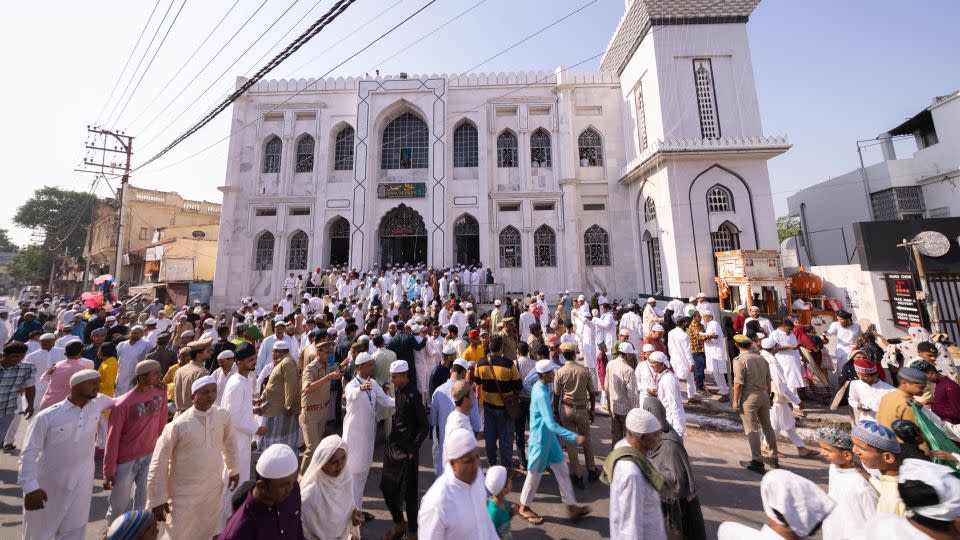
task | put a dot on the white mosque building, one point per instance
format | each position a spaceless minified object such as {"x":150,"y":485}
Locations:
{"x":626,"y":179}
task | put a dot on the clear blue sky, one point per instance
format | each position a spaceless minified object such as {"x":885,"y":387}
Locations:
{"x":828,"y":73}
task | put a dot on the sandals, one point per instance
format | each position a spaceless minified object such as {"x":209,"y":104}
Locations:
{"x":575,"y":513}
{"x":531,"y":516}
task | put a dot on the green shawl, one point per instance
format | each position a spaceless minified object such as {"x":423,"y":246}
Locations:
{"x":637,"y":457}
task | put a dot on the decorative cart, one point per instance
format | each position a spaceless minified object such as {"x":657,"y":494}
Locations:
{"x":753,"y":278}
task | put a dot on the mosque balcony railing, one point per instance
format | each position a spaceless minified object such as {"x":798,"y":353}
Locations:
{"x":483,"y":293}
{"x":766,"y":146}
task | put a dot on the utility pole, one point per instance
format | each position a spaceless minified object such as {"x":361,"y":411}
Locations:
{"x":125,"y":147}
{"x":924,"y":294}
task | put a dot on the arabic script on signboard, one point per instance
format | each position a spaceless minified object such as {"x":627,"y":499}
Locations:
{"x":403,"y":190}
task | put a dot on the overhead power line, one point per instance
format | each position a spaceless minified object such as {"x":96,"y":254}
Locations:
{"x":331,"y":15}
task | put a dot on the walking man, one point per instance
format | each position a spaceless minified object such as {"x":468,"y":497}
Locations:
{"x":500,"y":386}
{"x":362,"y":395}
{"x":575,"y":397}
{"x":751,"y":398}
{"x":282,"y":392}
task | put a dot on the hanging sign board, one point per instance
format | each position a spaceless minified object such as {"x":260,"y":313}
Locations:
{"x":405,"y":190}
{"x":903,"y":300}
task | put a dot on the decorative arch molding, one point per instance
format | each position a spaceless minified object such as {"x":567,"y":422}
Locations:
{"x":693,"y":224}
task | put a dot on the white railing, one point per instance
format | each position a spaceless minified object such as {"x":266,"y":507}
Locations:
{"x":723,"y":143}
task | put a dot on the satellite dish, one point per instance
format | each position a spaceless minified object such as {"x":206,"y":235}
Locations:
{"x":200,"y":234}
{"x":932,"y":243}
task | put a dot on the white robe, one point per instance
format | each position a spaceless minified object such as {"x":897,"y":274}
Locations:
{"x":454,"y":510}
{"x":526,"y":319}
{"x":42,"y":360}
{"x":458,"y":319}
{"x":606,"y":328}
{"x":221,"y":378}
{"x":237,"y":400}
{"x":635,"y":512}
{"x":716,"y":349}
{"x":789,"y":361}
{"x":631,"y":321}
{"x":128,"y":356}
{"x":765,"y":325}
{"x":359,"y":429}
{"x":678,"y":343}
{"x":869,"y":396}
{"x":587,"y":341}
{"x":856,"y":504}
{"x":846,"y":337}
{"x":668,"y":392}
{"x":889,"y":526}
{"x":57,"y":457}
{"x":455,"y":420}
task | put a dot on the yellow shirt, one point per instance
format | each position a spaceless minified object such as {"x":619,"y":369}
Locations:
{"x":889,"y":501}
{"x":168,"y":380}
{"x":108,"y":378}
{"x":474,"y":354}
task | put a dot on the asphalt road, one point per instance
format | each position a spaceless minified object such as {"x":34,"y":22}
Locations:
{"x":727,"y":492}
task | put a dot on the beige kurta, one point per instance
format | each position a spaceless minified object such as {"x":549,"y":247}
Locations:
{"x":186,"y":470}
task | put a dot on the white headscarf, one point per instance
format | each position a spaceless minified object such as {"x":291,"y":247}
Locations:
{"x":801,"y":502}
{"x":327,"y":501}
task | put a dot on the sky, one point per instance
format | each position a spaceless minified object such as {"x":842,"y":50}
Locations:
{"x":828,"y":73}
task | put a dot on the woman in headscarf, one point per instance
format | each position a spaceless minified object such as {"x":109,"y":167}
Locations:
{"x":328,"y":509}
{"x":681,"y":506}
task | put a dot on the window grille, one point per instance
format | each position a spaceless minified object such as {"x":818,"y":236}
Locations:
{"x":264,"y":256}
{"x":641,"y":119}
{"x":507,"y":150}
{"x":719,"y":199}
{"x":466,"y":226}
{"x":726,"y":238}
{"x":540,"y":148}
{"x":405,"y":143}
{"x":297,"y":257}
{"x":706,"y":99}
{"x":465,"y":146}
{"x":305,"y":147}
{"x":343,"y":150}
{"x":653,"y":254}
{"x":591,"y":148}
{"x":894,"y":202}
{"x":649,"y":210}
{"x":271,"y":155}
{"x":510,"y":248}
{"x":340,"y":229}
{"x":544,"y":247}
{"x":909,"y":199}
{"x":596,"y":244}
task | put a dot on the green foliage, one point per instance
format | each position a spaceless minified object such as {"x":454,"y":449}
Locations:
{"x":787,"y":226}
{"x":7,"y":245}
{"x":61,"y":215}
{"x":31,"y":266}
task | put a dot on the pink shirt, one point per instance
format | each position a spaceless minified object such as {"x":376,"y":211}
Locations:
{"x":136,"y":421}
{"x":59,"y":387}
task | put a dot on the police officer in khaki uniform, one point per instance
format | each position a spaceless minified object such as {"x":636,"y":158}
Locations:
{"x":509,"y":339}
{"x":751,"y":398}
{"x":574,"y":395}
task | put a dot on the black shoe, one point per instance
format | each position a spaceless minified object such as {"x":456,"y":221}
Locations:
{"x":577,"y":482}
{"x":368,"y":517}
{"x":754,"y":466}
{"x":593,"y":476}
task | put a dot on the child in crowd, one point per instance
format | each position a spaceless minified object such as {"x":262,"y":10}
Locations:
{"x":501,"y":510}
{"x":877,"y":447}
{"x":856,"y":499}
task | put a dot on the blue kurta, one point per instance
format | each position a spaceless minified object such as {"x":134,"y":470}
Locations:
{"x":544,"y":447}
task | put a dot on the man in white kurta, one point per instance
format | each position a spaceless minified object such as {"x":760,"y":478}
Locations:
{"x":56,"y":465}
{"x":681,"y":360}
{"x":362,"y":394}
{"x":237,"y":401}
{"x":846,"y":332}
{"x":651,"y":316}
{"x":43,"y":359}
{"x":186,"y":470}
{"x":765,"y":325}
{"x":635,"y":512}
{"x":631,"y":321}
{"x":788,"y":355}
{"x":866,"y":391}
{"x":715,"y":349}
{"x":606,"y":327}
{"x":130,"y":353}
{"x":455,"y":506}
{"x":668,"y":392}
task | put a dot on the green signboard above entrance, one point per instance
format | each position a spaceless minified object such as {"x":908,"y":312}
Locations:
{"x":404,"y":190}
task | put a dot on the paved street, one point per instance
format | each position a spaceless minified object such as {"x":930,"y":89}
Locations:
{"x":726,"y":490}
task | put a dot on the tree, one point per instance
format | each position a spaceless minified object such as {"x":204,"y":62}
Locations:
{"x":787,"y":226}
{"x":7,"y":245}
{"x":31,"y":266}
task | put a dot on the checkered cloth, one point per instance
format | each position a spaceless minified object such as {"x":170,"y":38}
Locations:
{"x":12,"y":379}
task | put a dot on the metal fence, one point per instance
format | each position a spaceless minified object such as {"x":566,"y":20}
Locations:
{"x":945,"y":290}
{"x":482,"y":293}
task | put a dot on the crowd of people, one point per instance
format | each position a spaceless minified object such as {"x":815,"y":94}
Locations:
{"x":262,"y":421}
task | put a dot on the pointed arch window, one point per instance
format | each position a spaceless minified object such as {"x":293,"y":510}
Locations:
{"x":544,"y":247}
{"x":641,"y":119}
{"x":507,"y":155}
{"x":653,"y":261}
{"x":591,"y":148}
{"x":305,"y":151}
{"x":596,"y":245}
{"x":263,"y":259}
{"x":706,"y":98}
{"x":299,"y":247}
{"x":540,"y":148}
{"x":271,"y":155}
{"x":719,"y":199}
{"x":343,"y":150}
{"x":726,"y":237}
{"x":510,"y":248}
{"x":339,"y":241}
{"x":649,"y":210}
{"x":405,"y":143}
{"x":466,"y":145}
{"x":466,"y":239}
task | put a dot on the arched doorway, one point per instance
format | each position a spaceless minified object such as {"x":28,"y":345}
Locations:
{"x":339,"y":242}
{"x":466,"y":239}
{"x":403,"y":237}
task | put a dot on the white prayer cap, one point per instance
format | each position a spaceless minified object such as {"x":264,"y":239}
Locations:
{"x":497,"y":302}
{"x":470,"y":364}
{"x":596,"y":312}
{"x":705,"y":311}
{"x":48,"y":337}
{"x":449,"y":348}
{"x":150,"y":321}
{"x":277,"y":461}
{"x":648,"y":347}
{"x":642,"y":422}
{"x":68,"y":326}
{"x":767,"y":343}
{"x":399,"y":366}
{"x":363,"y":358}
{"x":364,"y":338}
{"x":83,"y":375}
{"x":331,"y":331}
{"x":739,"y":307}
{"x":624,"y":331}
{"x":281,"y":346}
{"x":657,"y":328}
{"x":188,"y":333}
{"x":70,"y":340}
{"x":136,"y":327}
{"x":626,"y":348}
{"x":658,"y":357}
{"x":111,"y":318}
{"x":761,"y":335}
{"x":701,"y":295}
{"x":755,"y":308}
{"x":146,"y":366}
{"x":201,"y":382}
{"x":226,"y":354}
{"x":581,"y":298}
{"x":942,"y":480}
{"x":415,"y":328}
{"x":458,"y":443}
{"x":546,"y":366}
{"x":800,"y":502}
{"x":651,"y":300}
{"x":496,"y":479}
{"x":462,"y":363}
